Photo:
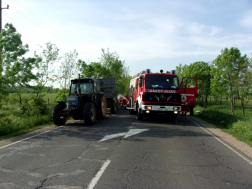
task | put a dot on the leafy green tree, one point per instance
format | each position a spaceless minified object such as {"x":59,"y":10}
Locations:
{"x":92,"y":70}
{"x":46,"y":67}
{"x":180,"y":70}
{"x":244,"y":83}
{"x":15,"y":69}
{"x":68,"y":68}
{"x":226,"y":72}
{"x":110,"y":66}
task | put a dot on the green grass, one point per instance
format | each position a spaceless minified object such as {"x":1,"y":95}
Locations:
{"x":13,"y":122}
{"x":221,"y":116}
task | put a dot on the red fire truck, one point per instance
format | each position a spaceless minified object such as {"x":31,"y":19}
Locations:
{"x":160,"y":93}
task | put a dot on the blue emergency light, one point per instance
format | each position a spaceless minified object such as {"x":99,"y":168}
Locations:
{"x":173,"y":71}
{"x":147,"y":70}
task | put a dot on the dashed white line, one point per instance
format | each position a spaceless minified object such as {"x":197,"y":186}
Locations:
{"x":98,"y":175}
{"x":29,"y":138}
{"x":243,"y":157}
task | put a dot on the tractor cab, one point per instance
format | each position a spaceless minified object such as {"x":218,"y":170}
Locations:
{"x":84,"y":86}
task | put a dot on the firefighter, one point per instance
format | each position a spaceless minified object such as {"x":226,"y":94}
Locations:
{"x":191,"y":105}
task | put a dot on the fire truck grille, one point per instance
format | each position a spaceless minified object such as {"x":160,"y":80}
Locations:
{"x":162,"y":97}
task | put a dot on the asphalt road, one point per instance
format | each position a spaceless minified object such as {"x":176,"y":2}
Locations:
{"x":139,"y":154}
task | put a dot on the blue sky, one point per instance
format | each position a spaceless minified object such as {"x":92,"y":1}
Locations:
{"x":146,"y":34}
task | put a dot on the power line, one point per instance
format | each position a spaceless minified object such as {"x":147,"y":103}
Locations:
{"x":37,"y":17}
{"x":29,"y":29}
{"x":40,"y":26}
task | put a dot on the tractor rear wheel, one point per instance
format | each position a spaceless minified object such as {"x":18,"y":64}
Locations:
{"x":89,"y":113}
{"x":102,"y":107}
{"x":57,"y":116}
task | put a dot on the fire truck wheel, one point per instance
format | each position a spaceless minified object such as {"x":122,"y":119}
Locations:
{"x":57,"y":116}
{"x":89,"y":113}
{"x":112,"y":107}
{"x":173,"y":117}
{"x":139,"y":116}
{"x":102,"y":107}
{"x":132,"y":112}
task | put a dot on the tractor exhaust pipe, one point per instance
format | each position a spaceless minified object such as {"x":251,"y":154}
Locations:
{"x":79,"y":86}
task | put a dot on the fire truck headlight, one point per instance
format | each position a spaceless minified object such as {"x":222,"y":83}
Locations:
{"x":175,"y":108}
{"x":148,"y":107}
{"x":147,"y":111}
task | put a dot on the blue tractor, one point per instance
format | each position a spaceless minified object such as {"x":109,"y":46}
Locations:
{"x":88,"y":100}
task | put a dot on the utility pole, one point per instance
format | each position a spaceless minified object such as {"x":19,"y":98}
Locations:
{"x":1,"y":66}
{"x":1,"y":14}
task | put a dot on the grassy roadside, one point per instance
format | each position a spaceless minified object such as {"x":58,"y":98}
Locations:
{"x":14,"y":125}
{"x":14,"y":122}
{"x":221,"y":117}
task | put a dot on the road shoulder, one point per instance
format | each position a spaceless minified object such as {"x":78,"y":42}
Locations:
{"x":8,"y":141}
{"x":239,"y":145}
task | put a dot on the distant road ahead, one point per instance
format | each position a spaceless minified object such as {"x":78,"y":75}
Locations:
{"x":122,"y":152}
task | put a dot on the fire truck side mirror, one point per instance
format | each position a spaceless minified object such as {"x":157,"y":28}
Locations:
{"x":140,"y":81}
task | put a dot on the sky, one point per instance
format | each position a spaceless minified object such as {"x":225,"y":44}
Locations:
{"x":158,"y":34}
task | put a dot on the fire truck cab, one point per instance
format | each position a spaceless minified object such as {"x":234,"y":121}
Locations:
{"x":159,"y":93}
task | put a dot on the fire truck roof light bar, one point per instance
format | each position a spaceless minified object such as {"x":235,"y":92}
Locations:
{"x":138,"y":74}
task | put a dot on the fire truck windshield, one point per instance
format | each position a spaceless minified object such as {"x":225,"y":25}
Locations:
{"x":161,"y":82}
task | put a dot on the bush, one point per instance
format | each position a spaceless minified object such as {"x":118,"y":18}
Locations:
{"x":61,"y":95}
{"x":243,"y":126}
{"x":12,"y":124}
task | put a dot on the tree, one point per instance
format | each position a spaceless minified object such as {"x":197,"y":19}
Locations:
{"x":226,"y":72}
{"x":180,"y":70}
{"x":15,"y":70}
{"x":68,"y":68}
{"x":45,"y":67}
{"x":244,"y":83}
{"x":110,"y":66}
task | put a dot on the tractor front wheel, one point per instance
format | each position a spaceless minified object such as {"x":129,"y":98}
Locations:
{"x":89,"y":113}
{"x":57,"y":116}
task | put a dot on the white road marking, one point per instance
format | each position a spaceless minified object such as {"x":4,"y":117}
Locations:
{"x":131,"y":132}
{"x":243,"y":157}
{"x":29,"y":138}
{"x":107,"y":137}
{"x":134,"y":132}
{"x":98,"y":175}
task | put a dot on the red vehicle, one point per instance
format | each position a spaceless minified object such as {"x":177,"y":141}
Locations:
{"x":160,"y":93}
{"x":124,"y":100}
